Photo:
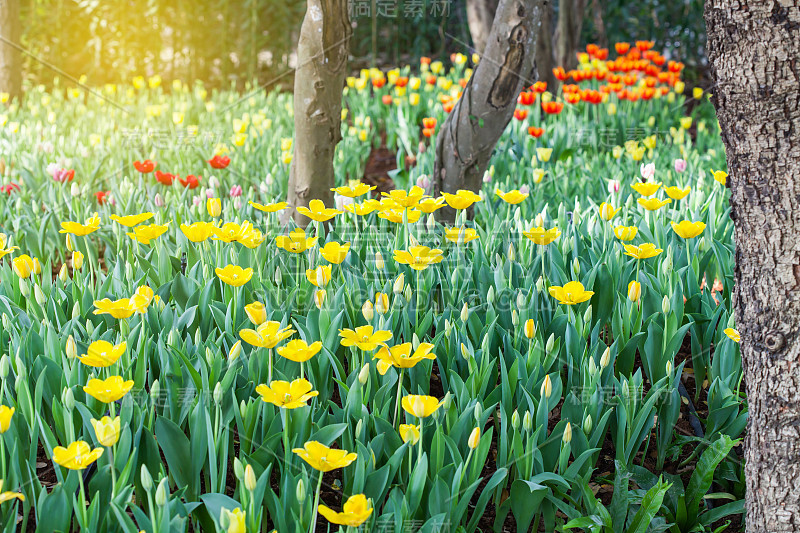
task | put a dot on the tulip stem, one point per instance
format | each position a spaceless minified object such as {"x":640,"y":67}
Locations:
{"x":316,"y":505}
{"x":269,"y":362}
{"x":287,"y":458}
{"x":3,"y":454}
{"x":397,"y":400}
{"x":113,"y":453}
{"x":419,"y":453}
{"x":84,"y":518}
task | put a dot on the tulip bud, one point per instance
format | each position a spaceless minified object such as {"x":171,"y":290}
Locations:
{"x":24,"y":289}
{"x":665,"y":304}
{"x":76,"y":310}
{"x":161,"y":492}
{"x":319,"y":298}
{"x":539,"y":220}
{"x":431,"y":222}
{"x":278,"y":276}
{"x":587,"y":425}
{"x":447,"y":328}
{"x":62,"y":273}
{"x":514,"y":318}
{"x":368,"y":311}
{"x":5,"y":366}
{"x":551,"y":340}
{"x":77,"y":260}
{"x":474,"y":438}
{"x":515,"y":420}
{"x":511,"y":254}
{"x":243,"y":408}
{"x":407,"y":293}
{"x":359,"y":428}
{"x":490,"y":295}
{"x":587,"y":315}
{"x":539,"y":284}
{"x":249,"y":478}
{"x":218,"y":393}
{"x":72,"y":349}
{"x":592,"y":367}
{"x":605,"y":358}
{"x":530,"y":328}
{"x":547,"y":387}
{"x":634,"y":291}
{"x":465,"y":312}
{"x":625,"y":390}
{"x":70,"y":244}
{"x":129,"y":272}
{"x":155,"y":389}
{"x":520,"y":300}
{"x":89,"y":327}
{"x":238,"y":468}
{"x":446,"y":401}
{"x":415,"y":342}
{"x":300,"y":491}
{"x":68,"y":399}
{"x":567,"y":434}
{"x":146,"y":478}
{"x":363,"y":374}
{"x":465,"y":352}
{"x":236,"y":350}
{"x":477,"y":412}
{"x":576,"y":267}
{"x":669,"y":368}
{"x":527,"y":421}
{"x":399,"y":284}
{"x":379,"y":263}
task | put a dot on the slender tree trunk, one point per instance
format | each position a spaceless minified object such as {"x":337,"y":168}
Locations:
{"x":568,"y":31}
{"x":544,"y":47}
{"x":601,"y":37}
{"x":468,"y":136}
{"x":480,"y":15}
{"x":753,"y":49}
{"x":10,"y":57}
{"x":321,"y":68}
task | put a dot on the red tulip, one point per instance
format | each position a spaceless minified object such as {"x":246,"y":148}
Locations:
{"x":387,"y":99}
{"x":219,"y":161}
{"x":11,"y":187}
{"x":520,"y":114}
{"x":191,"y":181}
{"x":145,"y":167}
{"x":165,"y":178}
{"x":535,"y":132}
{"x":102,"y":196}
{"x":429,"y":123}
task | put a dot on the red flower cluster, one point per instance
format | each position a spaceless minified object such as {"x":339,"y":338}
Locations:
{"x":428,"y":126}
{"x":145,"y":167}
{"x":552,"y":108}
{"x":219,"y":161}
{"x":190,"y":182}
{"x":11,"y":187}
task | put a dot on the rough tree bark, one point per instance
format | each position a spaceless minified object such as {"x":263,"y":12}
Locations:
{"x":544,"y":48}
{"x":568,"y":32}
{"x":322,"y":53}
{"x":753,"y":49}
{"x":480,"y":15}
{"x":468,"y":136}
{"x":10,"y":58}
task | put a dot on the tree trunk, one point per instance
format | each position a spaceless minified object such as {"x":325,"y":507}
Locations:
{"x":480,"y":15}
{"x":753,"y":49}
{"x":319,"y":79}
{"x":10,"y":58}
{"x":468,"y":136}
{"x":568,"y":31}
{"x":544,"y":47}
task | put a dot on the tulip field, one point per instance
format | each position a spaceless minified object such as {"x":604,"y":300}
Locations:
{"x":176,"y":356}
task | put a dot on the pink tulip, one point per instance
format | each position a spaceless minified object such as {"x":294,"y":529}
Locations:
{"x":680,"y":165}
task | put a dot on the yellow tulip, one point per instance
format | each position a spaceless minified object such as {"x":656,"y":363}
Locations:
{"x":418,"y":257}
{"x":607,"y":211}
{"x":106,"y":430}
{"x":409,"y":433}
{"x":364,"y":337}
{"x":355,"y":191}
{"x":298,"y":351}
{"x":5,"y":417}
{"x":420,"y":406}
{"x":317,"y":211}
{"x":322,"y":458}
{"x":541,"y":236}
{"x":296,"y":242}
{"x":653,"y":204}
{"x":688,"y":229}
{"x":511,"y":197}
{"x":108,"y":390}
{"x":256,"y":312}
{"x":145,"y":234}
{"x":117,"y":308}
{"x":234,"y":275}
{"x":9,"y":495}
{"x":131,"y":220}
{"x":287,"y":395}
{"x":270,"y":208}
{"x":78,"y":229}
{"x":101,"y":354}
{"x":460,"y":235}
{"x":406,"y":199}
{"x":333,"y":252}
{"x":720,"y":176}
{"x":267,"y":335}
{"x":214,"y":207}
{"x":732,"y":334}
{"x":570,"y":294}
{"x":462,"y":199}
{"x":676,"y":193}
{"x":77,"y":456}
{"x":646,"y":189}
{"x":400,"y":356}
{"x":355,"y":511}
{"x":77,"y":260}
{"x":429,"y":205}
{"x":643,"y":251}
{"x":634,"y":291}
{"x":25,"y":265}
{"x":626,"y":233}
{"x":198,"y":232}
{"x":544,"y":154}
